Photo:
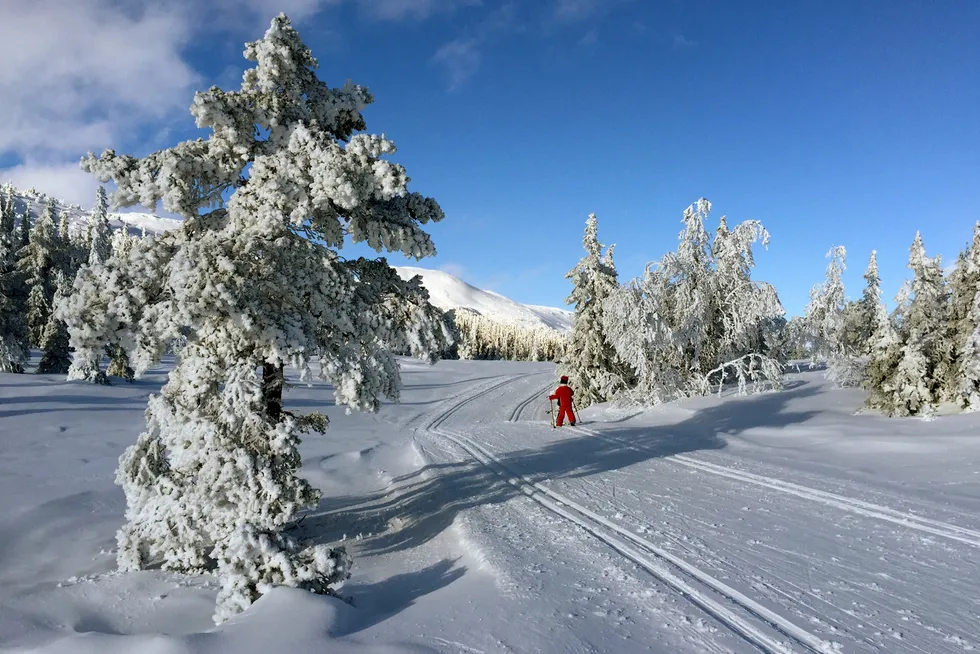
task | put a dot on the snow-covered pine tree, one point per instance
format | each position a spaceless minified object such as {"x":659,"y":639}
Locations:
{"x":63,"y":232}
{"x":696,"y":319}
{"x":100,"y":246}
{"x":38,"y":263}
{"x":968,"y":367}
{"x":100,"y":239}
{"x":884,"y":344}
{"x":55,"y":358}
{"x":870,"y":308}
{"x":592,"y":365}
{"x":254,"y":281}
{"x":825,"y":312}
{"x":14,"y":346}
{"x":965,"y":331}
{"x":925,"y":363}
{"x":26,"y":222}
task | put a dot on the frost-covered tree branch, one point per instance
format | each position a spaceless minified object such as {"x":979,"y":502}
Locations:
{"x":251,"y":284}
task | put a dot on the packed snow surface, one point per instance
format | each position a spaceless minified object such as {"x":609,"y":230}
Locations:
{"x":449,"y":292}
{"x":781,"y":522}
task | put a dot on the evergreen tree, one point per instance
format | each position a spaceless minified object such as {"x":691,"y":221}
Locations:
{"x":55,"y":358}
{"x":696,"y":318}
{"x":825,"y":312}
{"x":63,"y":231}
{"x":38,"y":264}
{"x":868,"y":310}
{"x":925,"y":362}
{"x":254,"y":281}
{"x":25,"y":227}
{"x":14,"y":345}
{"x":100,"y":242}
{"x":965,"y":332}
{"x":591,"y":363}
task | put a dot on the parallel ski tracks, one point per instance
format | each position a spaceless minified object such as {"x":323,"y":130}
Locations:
{"x":756,"y":624}
{"x":748,"y":619}
{"x":869,"y":509}
{"x":520,"y":408}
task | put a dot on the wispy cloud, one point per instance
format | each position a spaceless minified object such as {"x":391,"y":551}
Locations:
{"x":460,"y":58}
{"x":575,"y":10}
{"x":67,"y":181}
{"x":412,"y":9}
{"x":681,"y":42}
{"x":590,"y":38}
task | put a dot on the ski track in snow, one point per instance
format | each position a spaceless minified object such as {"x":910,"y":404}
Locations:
{"x":477,"y":527}
{"x":870,"y":623}
{"x":750,"y":620}
{"x":910,"y":520}
{"x":598,"y":526}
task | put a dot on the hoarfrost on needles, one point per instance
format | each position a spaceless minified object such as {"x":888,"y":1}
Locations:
{"x":253,"y":283}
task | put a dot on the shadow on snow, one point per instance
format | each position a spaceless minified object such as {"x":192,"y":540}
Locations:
{"x":417,"y":507}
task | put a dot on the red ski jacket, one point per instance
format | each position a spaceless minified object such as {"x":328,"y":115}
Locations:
{"x":564,"y":395}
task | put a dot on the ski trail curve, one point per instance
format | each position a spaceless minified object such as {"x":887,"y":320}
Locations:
{"x":645,"y":554}
{"x":522,"y":406}
{"x":861,"y":507}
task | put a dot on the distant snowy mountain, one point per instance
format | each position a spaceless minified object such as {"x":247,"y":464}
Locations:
{"x":78,"y":218}
{"x":449,"y":292}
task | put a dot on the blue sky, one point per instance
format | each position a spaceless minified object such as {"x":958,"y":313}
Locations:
{"x":837,"y":122}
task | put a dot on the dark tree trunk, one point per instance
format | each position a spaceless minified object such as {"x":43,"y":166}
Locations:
{"x":272,"y":381}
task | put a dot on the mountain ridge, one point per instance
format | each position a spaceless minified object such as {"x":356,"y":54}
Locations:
{"x":447,"y":292}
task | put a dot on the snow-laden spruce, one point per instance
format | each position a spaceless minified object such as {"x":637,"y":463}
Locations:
{"x":100,"y":241}
{"x":921,"y":363}
{"x":254,"y":282}
{"x":592,"y":365}
{"x":965,"y":332}
{"x":55,"y":357}
{"x":39,"y":261}
{"x":696,"y":320}
{"x":14,"y":345}
{"x":825,"y":316}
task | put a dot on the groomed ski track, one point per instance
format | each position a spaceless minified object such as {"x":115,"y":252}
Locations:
{"x":758,"y":622}
{"x":754,"y":627}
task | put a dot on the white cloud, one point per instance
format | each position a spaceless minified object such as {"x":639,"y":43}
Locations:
{"x":66,"y":182}
{"x":79,"y":75}
{"x":460,"y":58}
{"x":76,"y":76}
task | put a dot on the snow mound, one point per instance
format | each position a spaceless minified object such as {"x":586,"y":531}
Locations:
{"x":78,"y":218}
{"x":449,"y":292}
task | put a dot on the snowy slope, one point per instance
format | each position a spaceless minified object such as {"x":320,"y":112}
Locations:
{"x":449,"y":292}
{"x":782,"y":523}
{"x":78,"y":218}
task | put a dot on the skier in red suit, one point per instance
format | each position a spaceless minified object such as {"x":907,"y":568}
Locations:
{"x":564,"y":395}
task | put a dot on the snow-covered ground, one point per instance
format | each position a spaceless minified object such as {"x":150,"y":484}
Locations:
{"x":448,"y":292}
{"x":780,"y":522}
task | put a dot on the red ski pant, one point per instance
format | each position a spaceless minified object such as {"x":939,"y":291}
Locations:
{"x":565,"y":411}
